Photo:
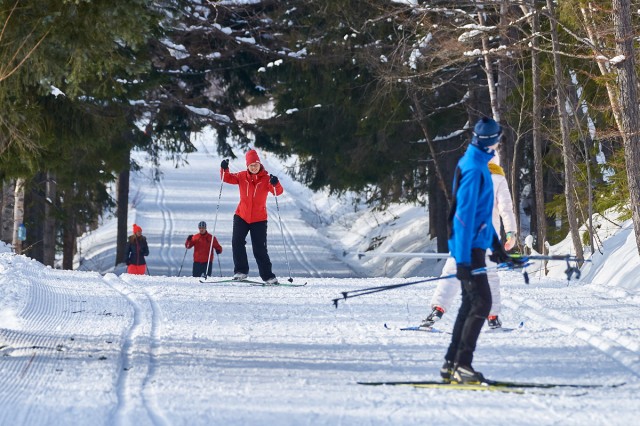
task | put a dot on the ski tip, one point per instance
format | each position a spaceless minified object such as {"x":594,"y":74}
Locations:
{"x":386,"y":326}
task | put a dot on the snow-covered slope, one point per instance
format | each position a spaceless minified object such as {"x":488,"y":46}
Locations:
{"x":80,"y":347}
{"x":86,"y":349}
{"x":169,"y":209}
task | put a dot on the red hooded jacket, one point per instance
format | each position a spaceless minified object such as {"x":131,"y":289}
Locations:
{"x":202,"y":243}
{"x":253,"y":192}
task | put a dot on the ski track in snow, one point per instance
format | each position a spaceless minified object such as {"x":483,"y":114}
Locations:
{"x":618,"y":347}
{"x":48,"y":355}
{"x":294,"y":248}
{"x":166,"y":234}
{"x":138,"y":358}
{"x":82,"y":348}
{"x":167,"y":350}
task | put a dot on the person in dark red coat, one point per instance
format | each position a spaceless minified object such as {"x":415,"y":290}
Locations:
{"x":254,"y":184}
{"x":202,"y":245}
{"x":135,"y":252}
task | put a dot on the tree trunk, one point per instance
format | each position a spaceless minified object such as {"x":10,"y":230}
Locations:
{"x":630,"y":112}
{"x":434,"y":155}
{"x":122,"y":212}
{"x":491,"y":82}
{"x":18,"y":214}
{"x":33,"y":215}
{"x":8,"y":196}
{"x":602,"y":66}
{"x":541,"y":223}
{"x":68,"y":234}
{"x":567,"y":147}
{"x":49,"y":226}
{"x":511,"y":153}
{"x":582,"y":124}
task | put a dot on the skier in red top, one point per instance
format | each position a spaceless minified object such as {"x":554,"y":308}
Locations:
{"x":202,"y":243}
{"x":251,"y":215}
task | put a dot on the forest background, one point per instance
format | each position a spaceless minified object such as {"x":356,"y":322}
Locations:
{"x":373,"y":97}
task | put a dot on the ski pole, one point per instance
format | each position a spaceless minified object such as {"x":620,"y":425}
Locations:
{"x":567,"y":257}
{"x":183,"y":257}
{"x":219,"y":266}
{"x":371,"y":290}
{"x":214,"y":224}
{"x":570,"y":271}
{"x":284,"y":243}
{"x":364,"y":291}
{"x":396,"y":254}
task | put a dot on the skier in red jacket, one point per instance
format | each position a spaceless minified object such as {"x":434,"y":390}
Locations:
{"x":251,"y":215}
{"x":202,"y":243}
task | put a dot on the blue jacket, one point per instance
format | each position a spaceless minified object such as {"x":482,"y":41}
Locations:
{"x":470,"y":218}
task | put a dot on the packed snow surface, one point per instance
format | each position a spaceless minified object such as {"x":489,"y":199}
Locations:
{"x":95,"y":346}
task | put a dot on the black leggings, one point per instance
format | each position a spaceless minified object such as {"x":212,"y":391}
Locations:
{"x":258,"y":232}
{"x":200,"y":267}
{"x":476,"y":304}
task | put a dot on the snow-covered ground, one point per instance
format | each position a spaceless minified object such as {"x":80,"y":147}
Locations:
{"x":97,"y":347}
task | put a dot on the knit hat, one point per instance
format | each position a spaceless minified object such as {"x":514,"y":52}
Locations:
{"x":136,"y":228}
{"x":252,"y":157}
{"x":486,"y":132}
{"x":202,"y":224}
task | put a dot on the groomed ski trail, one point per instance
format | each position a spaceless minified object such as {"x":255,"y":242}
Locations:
{"x":141,"y":342}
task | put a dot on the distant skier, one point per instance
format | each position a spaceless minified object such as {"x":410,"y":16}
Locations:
{"x":202,"y":245}
{"x":254,"y":184}
{"x":471,"y":234}
{"x":448,"y":288}
{"x":136,"y":251}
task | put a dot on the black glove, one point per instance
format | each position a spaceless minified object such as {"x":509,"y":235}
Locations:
{"x":273,"y":180}
{"x":498,"y":254}
{"x":190,"y":237}
{"x":224,"y":165}
{"x":463,"y":272}
{"x":218,"y":251}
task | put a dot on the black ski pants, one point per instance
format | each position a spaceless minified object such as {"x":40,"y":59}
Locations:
{"x":476,"y":304}
{"x":258,"y":232}
{"x":200,"y":267}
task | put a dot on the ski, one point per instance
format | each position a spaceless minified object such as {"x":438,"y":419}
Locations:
{"x":489,"y":385}
{"x":257,"y":284}
{"x":452,"y":386}
{"x":437,"y":330}
{"x":252,"y":283}
{"x":417,"y":328}
{"x":500,"y":330}
{"x":504,"y":329}
{"x":230,"y":281}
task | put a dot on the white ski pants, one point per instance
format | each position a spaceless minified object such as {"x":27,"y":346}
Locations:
{"x":448,"y":288}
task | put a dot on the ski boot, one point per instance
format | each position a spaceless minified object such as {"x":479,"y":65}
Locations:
{"x":494,"y":322}
{"x":465,"y":374}
{"x":446,"y":371}
{"x":435,"y":315}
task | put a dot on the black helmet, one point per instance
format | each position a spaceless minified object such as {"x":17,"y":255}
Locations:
{"x":202,"y":224}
